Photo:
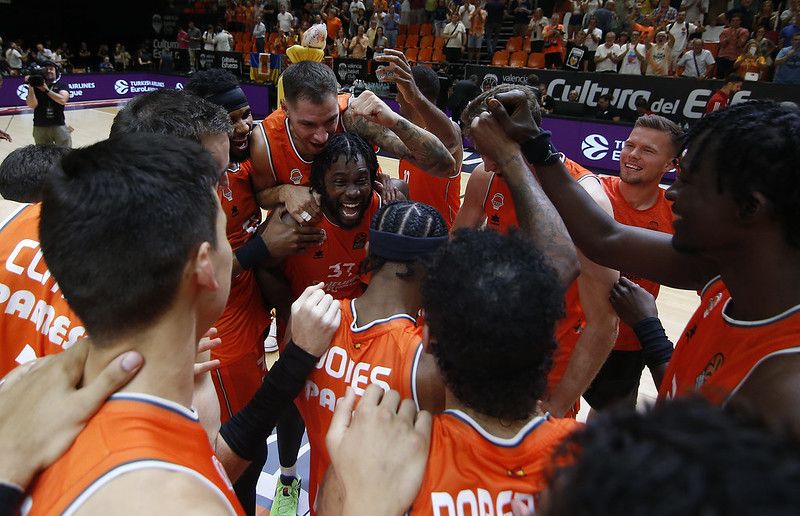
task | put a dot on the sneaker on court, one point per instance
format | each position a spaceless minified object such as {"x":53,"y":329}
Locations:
{"x":286,"y":499}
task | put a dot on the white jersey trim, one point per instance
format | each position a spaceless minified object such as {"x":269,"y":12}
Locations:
{"x":356,"y":329}
{"x":414,"y":369}
{"x":170,"y":405}
{"x":13,"y":215}
{"x":707,"y":285}
{"x":499,"y":441}
{"x":137,"y":466}
{"x":762,"y":322}
{"x":291,"y":142}
{"x":269,"y":152}
{"x":787,"y":351}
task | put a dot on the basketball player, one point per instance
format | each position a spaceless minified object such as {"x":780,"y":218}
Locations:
{"x":311,"y":113}
{"x":588,"y":330}
{"x":736,"y":204}
{"x":638,"y":200}
{"x":492,"y":444}
{"x":23,"y":171}
{"x":379,"y":336}
{"x":418,"y":91}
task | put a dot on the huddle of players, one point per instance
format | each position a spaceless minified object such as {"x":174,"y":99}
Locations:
{"x":503,"y":326}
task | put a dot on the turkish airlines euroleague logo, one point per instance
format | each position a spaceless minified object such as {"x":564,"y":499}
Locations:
{"x":595,"y":147}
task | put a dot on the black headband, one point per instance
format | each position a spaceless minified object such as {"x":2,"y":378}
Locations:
{"x":231,"y":99}
{"x":401,"y":248}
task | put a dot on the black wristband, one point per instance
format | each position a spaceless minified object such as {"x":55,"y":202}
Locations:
{"x":10,"y":498}
{"x":656,"y":347}
{"x":252,"y":253}
{"x":249,"y":428}
{"x":539,"y":150}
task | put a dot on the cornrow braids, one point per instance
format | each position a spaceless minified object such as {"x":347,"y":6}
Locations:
{"x":755,"y":147}
{"x":206,"y":83}
{"x":405,"y":218}
{"x":349,"y":145}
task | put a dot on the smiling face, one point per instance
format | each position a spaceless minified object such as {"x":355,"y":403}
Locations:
{"x":348,"y":191}
{"x":312,"y":124}
{"x":242,"y":121}
{"x":646,"y":156}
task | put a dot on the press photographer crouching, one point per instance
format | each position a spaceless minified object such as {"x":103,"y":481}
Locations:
{"x":47,"y":96}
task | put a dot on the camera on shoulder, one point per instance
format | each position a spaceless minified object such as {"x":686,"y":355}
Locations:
{"x":36,"y":77}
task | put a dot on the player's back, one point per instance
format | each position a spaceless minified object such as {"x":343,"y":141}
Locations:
{"x":385,"y":352}
{"x":130,"y":433}
{"x":442,"y":193}
{"x":36,"y":319}
{"x":717,"y":353}
{"x":470,"y":471}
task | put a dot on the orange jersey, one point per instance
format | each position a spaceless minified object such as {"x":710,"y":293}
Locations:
{"x":499,"y":206}
{"x":442,"y":193}
{"x":336,"y":261}
{"x":384,"y":352}
{"x":658,"y":218}
{"x":568,"y":331}
{"x":238,"y":201}
{"x":470,"y":471}
{"x":288,"y":167}
{"x":36,"y":319}
{"x":717,"y":353}
{"x":131,"y":432}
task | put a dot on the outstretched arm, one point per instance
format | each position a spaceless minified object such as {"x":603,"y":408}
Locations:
{"x":370,"y":117}
{"x":602,"y":239}
{"x":471,"y":214}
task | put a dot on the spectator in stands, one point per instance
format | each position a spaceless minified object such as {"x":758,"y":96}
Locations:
{"x":554,"y":44}
{"x":208,"y":39}
{"x":43,"y":53}
{"x":195,"y":44}
{"x":747,"y":12}
{"x":144,"y":61}
{"x":720,"y":98}
{"x":732,"y":40}
{"x":285,"y":20}
{"x":106,"y":65}
{"x":182,"y":38}
{"x":632,"y":55}
{"x":577,"y":53}
{"x":84,"y":56}
{"x":766,"y":47}
{"x":223,"y":40}
{"x":14,"y":59}
{"x":605,"y":16}
{"x":789,"y":14}
{"x":521,"y":11}
{"x":594,"y":38}
{"x":122,"y":57}
{"x":260,"y":35}
{"x":751,"y":65}
{"x":663,"y":14}
{"x":405,"y":13}
{"x":588,"y":7}
{"x":340,"y":44}
{"x":659,"y":55}
{"x":372,"y":32}
{"x":536,"y":29}
{"x":547,"y":102}
{"x":381,"y":41}
{"x":697,"y":63}
{"x":642,"y":108}
{"x":476,"y":32}
{"x":695,"y":11}
{"x":454,"y":34}
{"x":573,"y":96}
{"x":788,"y":63}
{"x":359,"y":44}
{"x":605,"y":110}
{"x":680,"y":30}
{"x":788,"y":32}
{"x":606,"y":56}
{"x":494,"y":20}
{"x":465,"y":13}
{"x":766,"y":17}
{"x":391,"y":25}
{"x":463,"y":92}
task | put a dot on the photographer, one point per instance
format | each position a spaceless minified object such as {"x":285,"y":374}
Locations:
{"x":47,"y":96}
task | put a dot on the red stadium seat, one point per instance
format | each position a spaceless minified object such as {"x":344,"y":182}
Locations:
{"x":514,"y":44}
{"x":519,"y":59}
{"x":411,"y":54}
{"x":500,"y":58}
{"x":425,"y":54}
{"x":536,"y":60}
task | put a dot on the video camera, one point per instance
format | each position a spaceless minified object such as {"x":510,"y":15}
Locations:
{"x":36,"y":77}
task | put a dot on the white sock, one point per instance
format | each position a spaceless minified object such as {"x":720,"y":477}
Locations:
{"x":290,"y":471}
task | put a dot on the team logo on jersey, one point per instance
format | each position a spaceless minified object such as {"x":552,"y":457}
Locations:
{"x":121,"y":87}
{"x":494,"y":220}
{"x":653,"y":224}
{"x":22,"y":91}
{"x":710,"y":368}
{"x":595,"y":147}
{"x":712,"y":303}
{"x":295,"y":176}
{"x":234,"y":211}
{"x":360,"y":241}
{"x":227,"y":193}
{"x":318,"y":254}
{"x":498,"y":201}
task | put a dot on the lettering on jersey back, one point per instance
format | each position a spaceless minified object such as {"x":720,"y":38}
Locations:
{"x":477,"y":502}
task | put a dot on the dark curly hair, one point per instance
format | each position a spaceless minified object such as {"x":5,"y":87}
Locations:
{"x":207,"y":83}
{"x":349,"y":145}
{"x":24,"y":171}
{"x":682,"y":457}
{"x":407,"y":218}
{"x":491,"y":303}
{"x":755,"y":147}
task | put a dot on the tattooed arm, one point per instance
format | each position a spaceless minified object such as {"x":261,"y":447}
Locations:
{"x":370,"y":117}
{"x":537,"y":216}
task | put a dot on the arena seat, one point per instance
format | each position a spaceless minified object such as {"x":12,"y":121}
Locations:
{"x":401,"y":41}
{"x":411,"y":54}
{"x":438,"y":56}
{"x":500,"y":58}
{"x":426,"y":29}
{"x":514,"y":44}
{"x":438,"y":42}
{"x":425,"y":54}
{"x":519,"y":59}
{"x":536,"y":60}
{"x":426,"y":42}
{"x":412,"y":41}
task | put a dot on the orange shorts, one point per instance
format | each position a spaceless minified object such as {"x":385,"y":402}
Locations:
{"x":236,"y":383}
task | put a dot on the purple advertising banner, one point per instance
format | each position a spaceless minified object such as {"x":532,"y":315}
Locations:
{"x":591,"y":144}
{"x":118,"y":86}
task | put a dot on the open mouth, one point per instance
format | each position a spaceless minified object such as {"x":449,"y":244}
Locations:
{"x":240,"y":144}
{"x":632,"y":167}
{"x":350,"y":211}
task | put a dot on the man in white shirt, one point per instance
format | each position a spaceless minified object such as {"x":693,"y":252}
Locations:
{"x":455,"y":36}
{"x":536,"y":28}
{"x":223,"y":40}
{"x":14,"y":59}
{"x":697,"y":62}
{"x":465,"y":13}
{"x":356,"y":5}
{"x":606,"y":55}
{"x":259,"y":34}
{"x":659,"y":55}
{"x":696,"y":10}
{"x":680,"y":30}
{"x":285,"y":20}
{"x":632,"y":55}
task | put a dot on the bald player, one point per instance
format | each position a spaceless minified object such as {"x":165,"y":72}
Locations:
{"x":735,"y":202}
{"x":587,"y":332}
{"x":418,"y":91}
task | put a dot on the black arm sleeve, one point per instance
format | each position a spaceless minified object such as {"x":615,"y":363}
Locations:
{"x":10,"y":498}
{"x":247,"y":430}
{"x":656,"y":347}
